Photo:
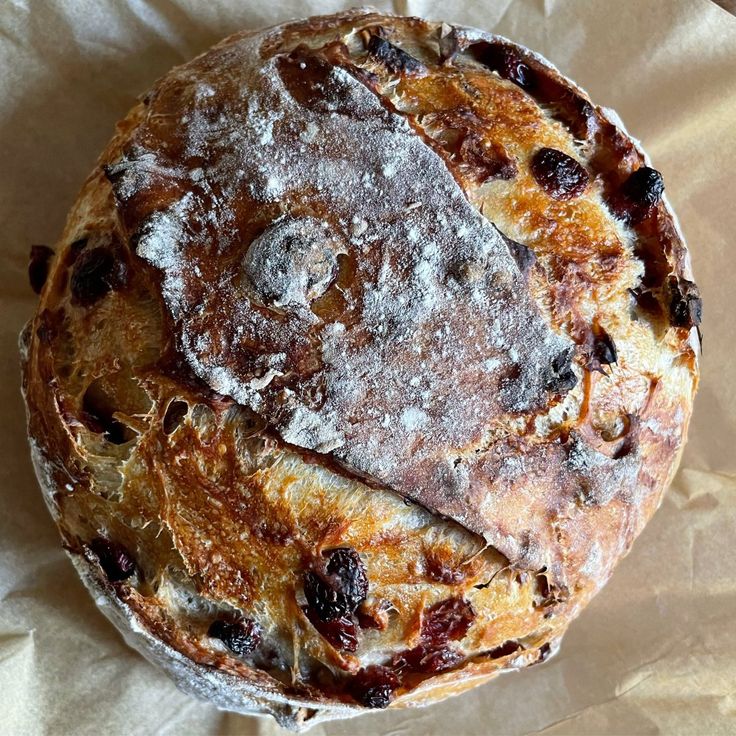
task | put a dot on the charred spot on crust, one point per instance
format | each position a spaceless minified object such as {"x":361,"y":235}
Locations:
{"x":685,"y":303}
{"x":427,"y":659}
{"x":175,"y":413}
{"x":560,"y":376}
{"x":448,"y":619}
{"x":115,"y":560}
{"x":340,"y":631}
{"x":241,"y":637}
{"x":112,"y":172}
{"x":96,"y":272}
{"x":38,"y":266}
{"x":559,"y":175}
{"x":396,"y":60}
{"x":374,"y":686}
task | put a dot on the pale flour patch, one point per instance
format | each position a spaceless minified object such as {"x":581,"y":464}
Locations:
{"x":436,"y":337}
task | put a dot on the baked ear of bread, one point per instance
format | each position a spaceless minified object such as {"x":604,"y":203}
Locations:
{"x":367,"y":350}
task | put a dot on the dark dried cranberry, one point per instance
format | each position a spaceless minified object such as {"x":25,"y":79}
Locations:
{"x":117,"y":563}
{"x":560,"y":376}
{"x":341,"y":588}
{"x":95,"y":273}
{"x":604,"y":349}
{"x":347,"y":575}
{"x":374,"y":686}
{"x":507,"y":63}
{"x":425,"y":658}
{"x":686,"y":306}
{"x":644,"y":187}
{"x":38,"y":267}
{"x":638,"y":196}
{"x":324,"y":601}
{"x":175,"y":413}
{"x":341,"y":632}
{"x":393,"y":58}
{"x":448,"y":619}
{"x":503,"y":650}
{"x":240,"y":637}
{"x":560,"y":175}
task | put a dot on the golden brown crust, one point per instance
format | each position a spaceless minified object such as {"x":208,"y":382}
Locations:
{"x":162,"y":312}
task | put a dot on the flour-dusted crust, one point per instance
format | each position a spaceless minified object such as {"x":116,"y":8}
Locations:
{"x":364,"y":356}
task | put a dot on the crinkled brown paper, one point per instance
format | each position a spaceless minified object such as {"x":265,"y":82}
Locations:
{"x":656,"y":650}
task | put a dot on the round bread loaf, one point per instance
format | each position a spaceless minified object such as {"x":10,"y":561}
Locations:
{"x":367,"y":350}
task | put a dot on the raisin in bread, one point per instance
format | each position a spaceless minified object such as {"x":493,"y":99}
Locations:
{"x":368,"y":349}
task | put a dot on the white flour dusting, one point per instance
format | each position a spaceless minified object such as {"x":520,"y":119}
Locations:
{"x":435,"y":337}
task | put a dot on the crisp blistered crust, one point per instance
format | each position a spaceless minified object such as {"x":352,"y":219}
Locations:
{"x":367,"y":284}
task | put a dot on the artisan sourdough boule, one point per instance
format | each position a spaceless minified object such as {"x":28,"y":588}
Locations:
{"x":368,"y":349}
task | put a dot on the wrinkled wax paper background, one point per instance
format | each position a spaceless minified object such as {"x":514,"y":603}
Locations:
{"x":656,"y":651}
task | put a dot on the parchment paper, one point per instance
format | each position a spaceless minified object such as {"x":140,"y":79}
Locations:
{"x":656,"y":651}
